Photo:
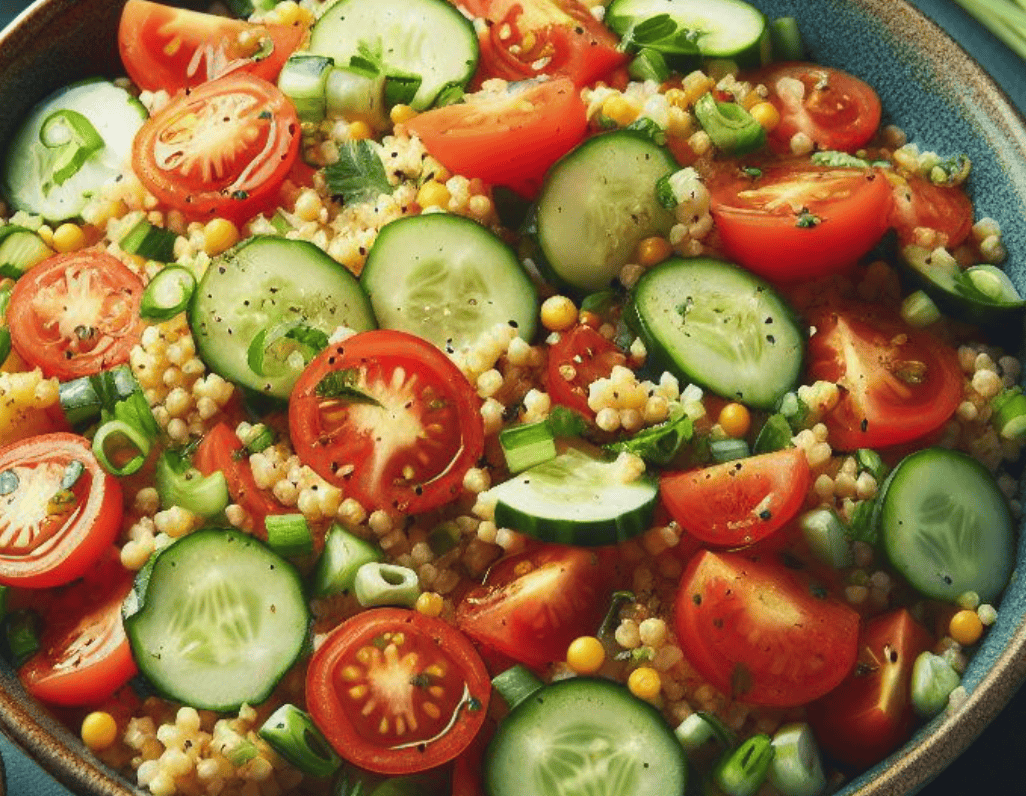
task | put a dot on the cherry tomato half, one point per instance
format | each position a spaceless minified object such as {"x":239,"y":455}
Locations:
{"x":396,"y":692}
{"x":222,"y":149}
{"x":388,"y":416}
{"x":918,"y":203}
{"x":762,"y":632}
{"x":59,"y":510}
{"x":581,"y":356}
{"x":76,"y":314}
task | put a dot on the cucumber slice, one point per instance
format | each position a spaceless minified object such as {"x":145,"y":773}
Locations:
{"x":721,"y":28}
{"x":720,"y":326}
{"x":447,"y":279}
{"x":946,"y":526}
{"x":46,"y":178}
{"x":285,"y":290}
{"x":424,"y":45}
{"x":575,"y":499}
{"x":584,"y":736}
{"x":20,"y":249}
{"x":216,"y":619}
{"x":597,"y":203}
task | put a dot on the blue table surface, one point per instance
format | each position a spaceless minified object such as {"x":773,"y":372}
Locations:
{"x":990,"y":765}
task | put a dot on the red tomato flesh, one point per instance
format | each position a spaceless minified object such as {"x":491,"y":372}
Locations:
{"x":919,"y":204}
{"x":581,"y":356}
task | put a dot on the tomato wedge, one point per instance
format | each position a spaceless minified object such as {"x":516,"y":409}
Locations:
{"x":396,"y":691}
{"x":84,"y":655}
{"x":870,"y":714}
{"x":796,"y":221}
{"x":533,"y":604}
{"x":163,"y":47}
{"x":918,"y":203}
{"x":508,"y":138}
{"x":389,"y":417}
{"x":761,"y":632}
{"x":740,"y":502}
{"x":581,"y":356}
{"x":221,"y":149}
{"x":899,"y":384}
{"x":59,"y":510}
{"x":76,"y":314}
{"x":836,"y":110}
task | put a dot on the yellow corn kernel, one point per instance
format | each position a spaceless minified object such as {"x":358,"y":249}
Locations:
{"x":433,"y":194}
{"x":653,"y":250}
{"x":585,"y":655}
{"x":965,"y":627}
{"x":288,"y":12}
{"x":99,"y":730}
{"x":308,"y":205}
{"x":401,"y":113}
{"x":619,"y":110}
{"x":360,"y":131}
{"x":735,"y":420}
{"x":68,"y":238}
{"x":558,"y":313}
{"x":695,"y":85}
{"x":429,"y":603}
{"x":644,"y":683}
{"x":219,"y":235}
{"x":766,"y":114}
{"x":676,"y":97}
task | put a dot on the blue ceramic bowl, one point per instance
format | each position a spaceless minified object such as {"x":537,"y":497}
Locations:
{"x":930,"y":87}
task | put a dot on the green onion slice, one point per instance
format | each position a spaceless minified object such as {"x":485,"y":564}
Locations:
{"x":288,"y":534}
{"x":120,"y":447}
{"x":180,"y":484}
{"x":72,"y":139}
{"x":292,"y":734}
{"x":731,"y":128}
{"x":149,"y":241}
{"x":1009,"y":413}
{"x":168,"y":293}
{"x":284,"y":347}
{"x":526,"y":445}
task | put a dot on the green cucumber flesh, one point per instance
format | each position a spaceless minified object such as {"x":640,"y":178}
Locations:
{"x":20,"y":249}
{"x":584,"y":737}
{"x":719,"y":326}
{"x":575,"y":499}
{"x":946,"y":526}
{"x":258,"y":286}
{"x":597,"y":203}
{"x":28,"y":164}
{"x":447,"y":279}
{"x":426,"y":39}
{"x":216,"y":619}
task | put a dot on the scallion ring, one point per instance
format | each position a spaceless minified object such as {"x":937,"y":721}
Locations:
{"x":121,"y":448}
{"x":72,"y":140}
{"x":168,"y":293}
{"x":284,"y":347}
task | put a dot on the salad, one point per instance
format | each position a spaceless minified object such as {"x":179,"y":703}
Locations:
{"x":493,"y":397}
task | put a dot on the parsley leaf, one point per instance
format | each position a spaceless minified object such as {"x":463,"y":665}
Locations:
{"x":359,"y":174}
{"x":341,"y":385}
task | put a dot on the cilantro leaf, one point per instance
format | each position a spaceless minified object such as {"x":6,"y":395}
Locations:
{"x":359,"y":174}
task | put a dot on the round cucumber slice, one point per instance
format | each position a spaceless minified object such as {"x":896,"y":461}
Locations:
{"x":946,"y":526}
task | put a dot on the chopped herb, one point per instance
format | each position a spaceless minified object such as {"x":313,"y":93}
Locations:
{"x":808,"y":220}
{"x":358,"y":175}
{"x":340,"y":385}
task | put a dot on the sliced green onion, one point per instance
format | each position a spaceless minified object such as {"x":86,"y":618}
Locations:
{"x":649,"y":64}
{"x":1008,"y":413}
{"x":565,"y":423}
{"x":292,"y":734}
{"x":261,"y":439}
{"x":516,"y":684}
{"x":659,"y":444}
{"x":135,"y":411}
{"x":284,"y":347}
{"x":727,"y":450}
{"x":700,"y":729}
{"x":378,"y":583}
{"x":731,"y":128}
{"x":742,"y":771}
{"x":862,"y":525}
{"x":344,"y":554}
{"x":303,"y":79}
{"x":444,"y":537}
{"x":933,"y":680}
{"x":242,"y":752}
{"x":774,"y":435}
{"x":21,"y":634}
{"x":168,"y":293}
{"x":649,"y":128}
{"x":1004,"y":18}
{"x":918,"y":310}
{"x":149,"y":241}
{"x":280,"y":223}
{"x":72,"y":139}
{"x":869,"y":461}
{"x":288,"y":535}
{"x":121,"y":448}
{"x":72,"y":472}
{"x":827,"y":537}
{"x":796,"y":768}
{"x":786,"y":39}
{"x":180,"y":484}
{"x":794,"y":409}
{"x":992,"y":283}
{"x":526,"y":445}
{"x":85,"y":399}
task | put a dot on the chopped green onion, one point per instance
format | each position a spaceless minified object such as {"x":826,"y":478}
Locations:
{"x":280,"y":223}
{"x":292,"y":734}
{"x":1008,"y":413}
{"x":121,"y":448}
{"x":827,"y":537}
{"x":516,"y":684}
{"x":794,"y":409}
{"x":284,"y":347}
{"x":343,"y":556}
{"x":731,"y":128}
{"x":72,"y":140}
{"x":443,"y":538}
{"x":918,"y":310}
{"x":85,"y":399}
{"x":727,"y":450}
{"x":526,"y":445}
{"x":933,"y":680}
{"x":659,"y":444}
{"x":262,"y":438}
{"x":869,"y":461}
{"x":149,"y":241}
{"x":649,"y":64}
{"x":288,"y":534}
{"x":21,"y":634}
{"x":565,"y":423}
{"x":862,"y":525}
{"x":72,"y":472}
{"x":774,"y":435}
{"x":242,"y":752}
{"x":700,"y":729}
{"x":304,"y":79}
{"x":168,"y":293}
{"x":742,"y":771}
{"x":1006,"y":19}
{"x":180,"y":484}
{"x":786,"y":40}
{"x":796,"y":768}
{"x":992,"y":284}
{"x":378,"y":583}
{"x":136,"y":412}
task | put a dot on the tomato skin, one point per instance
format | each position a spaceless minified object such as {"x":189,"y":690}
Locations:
{"x":798,"y":221}
{"x":899,"y":384}
{"x":47,"y":319}
{"x":221,"y":149}
{"x":219,"y":451}
{"x":762,"y":632}
{"x":169,"y":48}
{"x":920,"y":203}
{"x":837,"y":110}
{"x":420,"y":642}
{"x":510,"y":140}
{"x":581,"y":356}
{"x":84,"y":654}
{"x":60,"y":546}
{"x":740,"y":502}
{"x":870,"y":714}
{"x":533,"y":604}
{"x":429,"y":422}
